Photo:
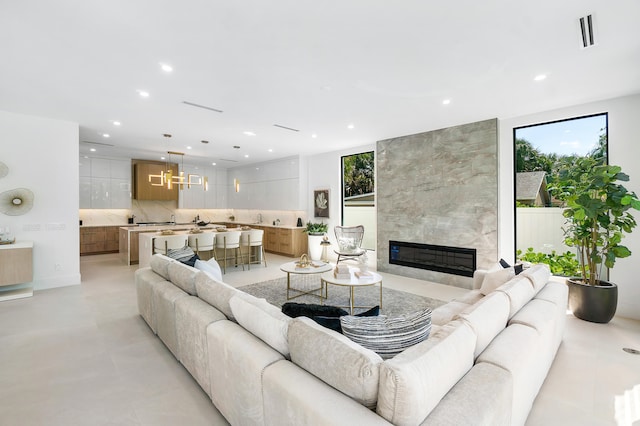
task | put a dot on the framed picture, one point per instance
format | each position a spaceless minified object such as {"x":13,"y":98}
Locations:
{"x":321,"y":203}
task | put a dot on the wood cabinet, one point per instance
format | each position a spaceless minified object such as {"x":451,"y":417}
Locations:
{"x":286,"y":241}
{"x":99,"y":239}
{"x":143,"y":189}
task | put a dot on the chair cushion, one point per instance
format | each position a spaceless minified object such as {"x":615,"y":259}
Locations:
{"x":388,"y":336}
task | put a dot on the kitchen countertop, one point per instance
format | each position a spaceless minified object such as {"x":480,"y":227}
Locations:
{"x":147,"y":228}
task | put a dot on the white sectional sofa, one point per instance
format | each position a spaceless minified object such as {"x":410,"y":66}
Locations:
{"x":483,"y":363}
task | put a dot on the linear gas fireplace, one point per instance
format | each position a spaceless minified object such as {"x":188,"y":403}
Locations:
{"x":450,"y":260}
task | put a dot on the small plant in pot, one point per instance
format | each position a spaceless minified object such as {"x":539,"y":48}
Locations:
{"x":598,"y":213}
{"x":316,"y":228}
{"x":316,"y":232}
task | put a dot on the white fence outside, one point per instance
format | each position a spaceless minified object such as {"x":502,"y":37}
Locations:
{"x":366,"y":216}
{"x":540,"y":228}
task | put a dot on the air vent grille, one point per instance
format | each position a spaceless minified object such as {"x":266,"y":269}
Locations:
{"x":202,"y":106}
{"x":586,"y":31}
{"x":285,"y":127}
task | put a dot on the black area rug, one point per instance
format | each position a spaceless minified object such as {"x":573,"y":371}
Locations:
{"x":394,"y":302}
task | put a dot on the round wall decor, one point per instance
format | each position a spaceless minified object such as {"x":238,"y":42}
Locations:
{"x":16,"y":202}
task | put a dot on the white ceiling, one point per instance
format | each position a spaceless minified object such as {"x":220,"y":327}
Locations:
{"x":316,"y":66}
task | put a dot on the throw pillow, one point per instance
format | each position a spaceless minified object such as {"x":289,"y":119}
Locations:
{"x":210,"y":267}
{"x":190,"y":261}
{"x":517,"y":267}
{"x":334,"y":322}
{"x":494,"y":279}
{"x":311,"y":310}
{"x":388,"y":336}
{"x":180,"y":254}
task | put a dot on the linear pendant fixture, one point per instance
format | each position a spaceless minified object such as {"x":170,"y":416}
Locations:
{"x":586,"y":31}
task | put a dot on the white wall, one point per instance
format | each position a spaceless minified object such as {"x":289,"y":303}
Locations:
{"x":42,"y":155}
{"x":624,"y":150}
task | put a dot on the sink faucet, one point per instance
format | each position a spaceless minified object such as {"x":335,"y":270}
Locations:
{"x":259,"y":218}
{"x":173,"y":219}
{"x":277,"y":222}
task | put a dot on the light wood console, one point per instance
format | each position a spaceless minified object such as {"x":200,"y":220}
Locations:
{"x":16,"y":267}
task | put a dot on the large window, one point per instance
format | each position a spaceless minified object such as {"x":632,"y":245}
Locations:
{"x":540,"y":151}
{"x":358,"y":195}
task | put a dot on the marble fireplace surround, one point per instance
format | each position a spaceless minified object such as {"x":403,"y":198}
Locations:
{"x":439,"y":187}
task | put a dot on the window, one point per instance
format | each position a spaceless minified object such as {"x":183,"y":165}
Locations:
{"x":540,"y":151}
{"x":358,"y":195}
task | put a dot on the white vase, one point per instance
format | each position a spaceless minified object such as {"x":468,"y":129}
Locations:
{"x":315,"y":249}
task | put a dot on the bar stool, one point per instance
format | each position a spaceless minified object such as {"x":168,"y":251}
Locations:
{"x":204,"y":241}
{"x":162,"y":244}
{"x":253,"y":238}
{"x":229,"y":240}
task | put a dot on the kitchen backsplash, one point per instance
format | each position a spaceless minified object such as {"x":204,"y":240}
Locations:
{"x":162,"y":211}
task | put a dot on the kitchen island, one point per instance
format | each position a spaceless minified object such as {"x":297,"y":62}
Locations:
{"x":285,"y":240}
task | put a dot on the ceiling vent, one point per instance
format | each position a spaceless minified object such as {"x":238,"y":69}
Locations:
{"x":586,"y":31}
{"x":285,"y":127}
{"x":97,"y":143}
{"x":202,"y":106}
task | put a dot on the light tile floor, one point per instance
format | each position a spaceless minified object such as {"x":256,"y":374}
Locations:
{"x":82,"y":355}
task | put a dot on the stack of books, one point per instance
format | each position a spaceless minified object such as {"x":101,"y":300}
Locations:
{"x":341,"y":272}
{"x":363,"y":274}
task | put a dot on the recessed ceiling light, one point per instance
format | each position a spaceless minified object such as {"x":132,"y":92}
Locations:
{"x":446,"y":102}
{"x":162,"y":158}
{"x":270,"y":150}
{"x":246,"y":156}
{"x":249,"y":133}
{"x":351,"y":127}
{"x":116,"y":123}
{"x":106,"y":135}
{"x":204,"y":141}
{"x":314,"y":135}
{"x":213,"y":164}
{"x":92,"y":149}
{"x":188,"y":147}
{"x":236,"y":147}
{"x":539,"y":77}
{"x":166,"y":67}
{"x":143,"y":93}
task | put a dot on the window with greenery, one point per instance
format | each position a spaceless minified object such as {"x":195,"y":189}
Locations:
{"x":540,"y":151}
{"x":358,"y":194}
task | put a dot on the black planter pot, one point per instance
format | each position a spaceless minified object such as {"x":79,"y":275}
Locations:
{"x":593,"y":303}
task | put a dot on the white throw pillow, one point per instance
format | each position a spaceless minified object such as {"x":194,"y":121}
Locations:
{"x":210,"y":267}
{"x":263,"y":320}
{"x":494,"y":279}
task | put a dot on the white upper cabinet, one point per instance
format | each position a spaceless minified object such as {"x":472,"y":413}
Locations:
{"x":105,"y":183}
{"x":273,"y":185}
{"x":196,"y":197}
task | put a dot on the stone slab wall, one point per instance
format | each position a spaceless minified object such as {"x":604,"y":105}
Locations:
{"x":439,"y":187}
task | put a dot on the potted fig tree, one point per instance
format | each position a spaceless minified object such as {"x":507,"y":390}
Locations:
{"x":598,"y":215}
{"x":315,"y":232}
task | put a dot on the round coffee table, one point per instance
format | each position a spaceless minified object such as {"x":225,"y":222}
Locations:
{"x":315,"y":268}
{"x":353,"y":282}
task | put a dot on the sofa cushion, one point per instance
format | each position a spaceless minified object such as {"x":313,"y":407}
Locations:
{"x":520,"y":291}
{"x":335,"y":359}
{"x":445,"y":313}
{"x":159,"y":264}
{"x":210,"y":267}
{"x":215,"y":293}
{"x":183,"y":276}
{"x":262,"y":319}
{"x":487,"y":318}
{"x":413,"y":382}
{"x":538,"y":275}
{"x":494,"y":279}
{"x":471,"y":297}
{"x":388,"y":336}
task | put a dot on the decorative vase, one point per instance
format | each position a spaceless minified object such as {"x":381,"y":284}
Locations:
{"x":315,"y":248}
{"x":593,"y":303}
